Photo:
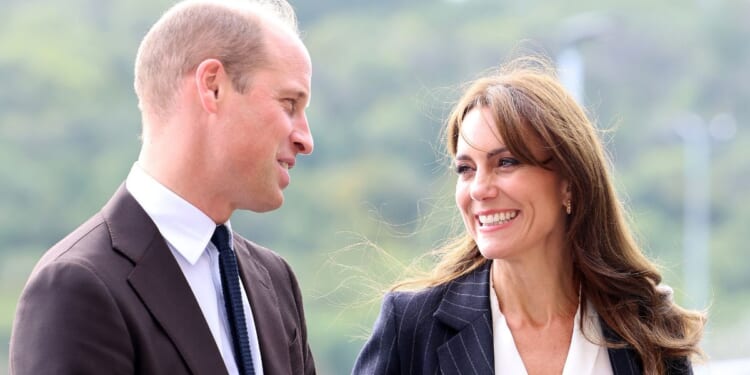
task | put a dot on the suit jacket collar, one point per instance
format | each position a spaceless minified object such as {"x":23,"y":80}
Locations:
{"x":465,"y":308}
{"x":157,"y":279}
{"x":274,"y":347}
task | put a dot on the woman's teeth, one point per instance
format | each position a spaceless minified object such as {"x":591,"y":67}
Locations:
{"x":498,"y":218}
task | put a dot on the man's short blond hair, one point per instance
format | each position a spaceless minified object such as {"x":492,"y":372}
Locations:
{"x":195,"y":30}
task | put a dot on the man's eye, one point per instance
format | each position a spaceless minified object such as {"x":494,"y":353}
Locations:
{"x":291,"y":105}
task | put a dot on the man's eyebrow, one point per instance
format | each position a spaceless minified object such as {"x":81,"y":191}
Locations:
{"x":293,"y":91}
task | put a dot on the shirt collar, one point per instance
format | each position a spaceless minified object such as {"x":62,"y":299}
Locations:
{"x":186,"y":228}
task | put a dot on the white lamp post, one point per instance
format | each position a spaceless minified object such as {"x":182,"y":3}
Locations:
{"x":697,"y":136}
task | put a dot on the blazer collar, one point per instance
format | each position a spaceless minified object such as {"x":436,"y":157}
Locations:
{"x":465,"y":308}
{"x":157,"y":279}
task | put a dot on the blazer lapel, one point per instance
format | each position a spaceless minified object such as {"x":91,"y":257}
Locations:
{"x":274,"y":346}
{"x":624,"y":360}
{"x":466,"y":309}
{"x":159,"y":282}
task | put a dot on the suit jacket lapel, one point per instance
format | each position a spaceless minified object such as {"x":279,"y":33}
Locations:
{"x":159,"y":282}
{"x":274,"y":347}
{"x":465,"y":308}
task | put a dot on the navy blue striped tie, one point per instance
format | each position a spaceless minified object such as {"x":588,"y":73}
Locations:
{"x":230,"y":284}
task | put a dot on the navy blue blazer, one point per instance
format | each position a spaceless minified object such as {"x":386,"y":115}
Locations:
{"x":447,"y":330}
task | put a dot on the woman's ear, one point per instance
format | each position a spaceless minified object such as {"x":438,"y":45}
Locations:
{"x":566,"y":194}
{"x":209,"y":77}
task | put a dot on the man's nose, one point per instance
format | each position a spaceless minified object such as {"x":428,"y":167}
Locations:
{"x":302,"y":137}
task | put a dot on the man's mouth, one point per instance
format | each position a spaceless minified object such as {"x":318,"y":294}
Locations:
{"x":286,"y":164}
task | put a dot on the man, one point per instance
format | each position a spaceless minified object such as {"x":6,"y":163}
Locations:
{"x":146,"y":285}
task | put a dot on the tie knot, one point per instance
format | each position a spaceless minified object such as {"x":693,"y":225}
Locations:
{"x":220,"y":239}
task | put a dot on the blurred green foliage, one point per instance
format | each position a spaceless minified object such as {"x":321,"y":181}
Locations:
{"x":376,"y":193}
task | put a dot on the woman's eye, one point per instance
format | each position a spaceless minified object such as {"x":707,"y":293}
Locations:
{"x":508,"y":162}
{"x":462,"y":169}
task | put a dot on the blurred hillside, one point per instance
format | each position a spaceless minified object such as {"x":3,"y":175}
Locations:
{"x":384,"y":76}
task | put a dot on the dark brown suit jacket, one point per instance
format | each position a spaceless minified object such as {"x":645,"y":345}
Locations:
{"x":111,"y":299}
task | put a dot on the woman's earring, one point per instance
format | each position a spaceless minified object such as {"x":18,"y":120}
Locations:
{"x":568,"y":207}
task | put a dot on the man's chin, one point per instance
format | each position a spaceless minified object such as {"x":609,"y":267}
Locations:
{"x":267,"y":205}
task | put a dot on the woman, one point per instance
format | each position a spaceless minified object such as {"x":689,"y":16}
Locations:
{"x":548,"y":278}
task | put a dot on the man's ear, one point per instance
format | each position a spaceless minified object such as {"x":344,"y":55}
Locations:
{"x":209,"y":78}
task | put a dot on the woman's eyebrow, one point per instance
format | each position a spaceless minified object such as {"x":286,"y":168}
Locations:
{"x":490,"y":154}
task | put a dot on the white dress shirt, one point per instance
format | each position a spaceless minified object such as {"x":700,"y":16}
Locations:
{"x":584,"y":357}
{"x":188,"y":232}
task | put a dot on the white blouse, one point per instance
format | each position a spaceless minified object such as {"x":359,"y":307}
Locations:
{"x":584,"y":357}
